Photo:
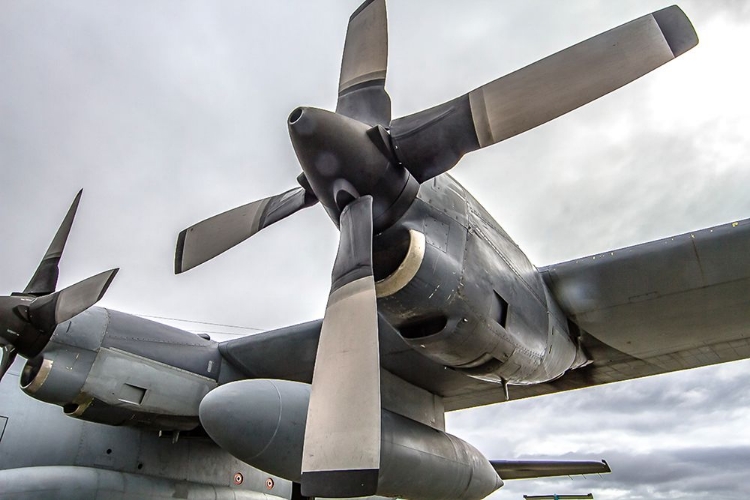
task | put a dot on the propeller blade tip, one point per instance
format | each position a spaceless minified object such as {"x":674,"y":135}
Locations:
{"x":677,"y":29}
{"x":179,"y":250}
{"x":112,"y":274}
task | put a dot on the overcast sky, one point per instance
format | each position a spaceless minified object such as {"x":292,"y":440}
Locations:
{"x":172,"y":111}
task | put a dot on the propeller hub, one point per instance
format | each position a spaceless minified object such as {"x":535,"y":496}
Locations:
{"x":344,"y":159}
{"x":16,"y":329}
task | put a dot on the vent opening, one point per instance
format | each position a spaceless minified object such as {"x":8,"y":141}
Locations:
{"x":31,"y":370}
{"x":498,"y":309}
{"x":423,"y":327}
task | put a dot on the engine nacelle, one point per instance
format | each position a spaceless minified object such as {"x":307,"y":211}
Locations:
{"x":262,"y":423}
{"x":92,"y":367}
{"x":459,"y":291}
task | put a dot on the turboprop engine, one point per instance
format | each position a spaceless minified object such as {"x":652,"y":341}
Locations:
{"x":114,"y":368}
{"x":262,"y":423}
{"x":102,"y":365}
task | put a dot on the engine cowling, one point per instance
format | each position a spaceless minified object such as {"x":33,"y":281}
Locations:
{"x":460,"y":292}
{"x":95,"y":369}
{"x":262,"y":423}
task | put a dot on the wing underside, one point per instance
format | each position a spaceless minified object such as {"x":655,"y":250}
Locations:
{"x":672,"y":304}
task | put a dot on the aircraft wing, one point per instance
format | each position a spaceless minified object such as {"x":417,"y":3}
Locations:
{"x":668,"y":305}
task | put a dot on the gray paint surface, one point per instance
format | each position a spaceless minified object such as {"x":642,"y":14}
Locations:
{"x":127,"y":460}
{"x":84,"y":483}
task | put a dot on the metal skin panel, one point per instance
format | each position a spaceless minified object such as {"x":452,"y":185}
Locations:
{"x":84,"y":483}
{"x":417,"y":461}
{"x":167,"y":390}
{"x":98,"y":327}
{"x":162,"y":343}
{"x":410,"y":401}
{"x":38,"y":435}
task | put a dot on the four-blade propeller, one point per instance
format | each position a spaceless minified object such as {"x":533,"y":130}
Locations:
{"x":29,"y":318}
{"x":366,"y":169}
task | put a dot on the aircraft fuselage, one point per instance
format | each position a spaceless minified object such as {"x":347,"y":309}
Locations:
{"x":45,"y":454}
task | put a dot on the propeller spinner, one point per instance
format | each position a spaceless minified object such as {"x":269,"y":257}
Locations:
{"x":366,"y":169}
{"x":28,"y":318}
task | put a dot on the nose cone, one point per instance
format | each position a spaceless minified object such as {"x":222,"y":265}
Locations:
{"x":341,"y":162}
{"x":261,"y":422}
{"x":18,"y":332}
{"x":338,"y":159}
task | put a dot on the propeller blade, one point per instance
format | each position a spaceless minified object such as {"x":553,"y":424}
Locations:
{"x":341,"y":456}
{"x":45,"y":313}
{"x":362,"y":94}
{"x":211,"y":237}
{"x":44,"y":280}
{"x":9,"y":355}
{"x":432,"y":141}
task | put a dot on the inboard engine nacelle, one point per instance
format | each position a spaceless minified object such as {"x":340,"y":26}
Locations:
{"x":262,"y":423}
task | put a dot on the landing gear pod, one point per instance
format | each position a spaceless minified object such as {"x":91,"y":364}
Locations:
{"x":262,"y":423}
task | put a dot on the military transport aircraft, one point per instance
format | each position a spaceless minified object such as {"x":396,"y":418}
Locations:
{"x":432,"y":308}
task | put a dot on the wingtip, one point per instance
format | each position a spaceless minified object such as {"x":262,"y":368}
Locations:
{"x":677,"y":29}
